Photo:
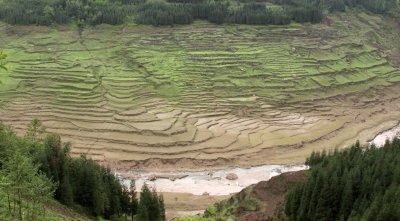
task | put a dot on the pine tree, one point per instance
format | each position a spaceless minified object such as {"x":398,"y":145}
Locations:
{"x":162,"y":207}
{"x":133,"y":206}
{"x":358,"y":183}
{"x":146,"y":198}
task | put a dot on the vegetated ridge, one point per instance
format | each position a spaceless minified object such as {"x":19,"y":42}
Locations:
{"x":36,"y":170}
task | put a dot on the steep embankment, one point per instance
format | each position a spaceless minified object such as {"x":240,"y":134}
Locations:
{"x":204,"y":95}
{"x":256,"y":202}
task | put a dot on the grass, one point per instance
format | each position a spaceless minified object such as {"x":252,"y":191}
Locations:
{"x":227,"y":209}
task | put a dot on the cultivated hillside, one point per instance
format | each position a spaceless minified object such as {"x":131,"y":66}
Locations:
{"x":204,"y":94}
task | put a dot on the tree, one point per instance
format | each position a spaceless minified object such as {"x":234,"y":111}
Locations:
{"x":359,"y":183}
{"x":55,"y":163}
{"x":162,"y":207}
{"x":3,"y":57}
{"x":35,"y":129}
{"x":31,"y":169}
{"x":23,"y":178}
{"x":145,"y":203}
{"x":133,"y":206}
{"x":151,"y":206}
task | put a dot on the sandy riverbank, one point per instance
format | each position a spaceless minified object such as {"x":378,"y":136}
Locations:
{"x":381,"y":138}
{"x":211,"y":182}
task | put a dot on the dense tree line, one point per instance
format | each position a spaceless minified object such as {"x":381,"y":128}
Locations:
{"x":257,"y":13}
{"x":354,"y":184}
{"x":253,"y":11}
{"x":47,"y":12}
{"x":386,"y":7}
{"x":181,"y":12}
{"x":169,"y":12}
{"x":38,"y":166}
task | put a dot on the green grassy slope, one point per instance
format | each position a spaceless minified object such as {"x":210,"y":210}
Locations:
{"x":49,"y":211}
{"x":275,"y":63}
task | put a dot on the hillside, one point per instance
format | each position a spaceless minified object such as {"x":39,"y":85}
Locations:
{"x":204,"y":94}
{"x":50,"y":210}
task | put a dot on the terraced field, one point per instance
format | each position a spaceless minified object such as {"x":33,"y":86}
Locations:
{"x":204,"y":95}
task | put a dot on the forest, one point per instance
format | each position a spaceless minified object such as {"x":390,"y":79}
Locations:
{"x":159,"y":12}
{"x":37,"y":167}
{"x":359,"y":183}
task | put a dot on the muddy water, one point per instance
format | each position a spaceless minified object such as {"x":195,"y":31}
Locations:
{"x":212,"y":183}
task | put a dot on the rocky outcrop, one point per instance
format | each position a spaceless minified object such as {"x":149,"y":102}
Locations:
{"x":231,"y":176}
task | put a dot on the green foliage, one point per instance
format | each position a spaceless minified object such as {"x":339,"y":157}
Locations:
{"x":2,"y":60}
{"x":257,"y":13}
{"x":45,"y":12}
{"x":35,"y":169}
{"x":133,"y":202}
{"x":160,"y":12}
{"x":163,"y":13}
{"x":20,"y":177}
{"x":35,"y":129}
{"x":151,"y":206}
{"x":354,"y":184}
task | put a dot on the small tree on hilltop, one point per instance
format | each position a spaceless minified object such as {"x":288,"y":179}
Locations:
{"x":3,"y":57}
{"x":35,"y":129}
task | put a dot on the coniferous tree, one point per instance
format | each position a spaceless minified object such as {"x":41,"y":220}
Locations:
{"x":151,"y":206}
{"x":133,"y":206}
{"x":359,"y":183}
{"x":162,"y":208}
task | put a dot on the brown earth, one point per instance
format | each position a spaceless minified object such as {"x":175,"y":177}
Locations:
{"x":184,"y":204}
{"x":272,"y":195}
{"x":266,"y":198}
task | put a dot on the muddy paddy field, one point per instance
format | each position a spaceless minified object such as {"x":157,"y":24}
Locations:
{"x":204,"y":97}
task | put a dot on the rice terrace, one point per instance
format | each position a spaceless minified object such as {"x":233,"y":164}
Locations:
{"x":200,"y":110}
{"x":202,"y":95}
